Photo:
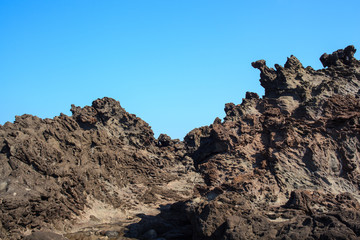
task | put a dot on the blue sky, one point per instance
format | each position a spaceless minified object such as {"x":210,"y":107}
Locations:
{"x":174,"y":63}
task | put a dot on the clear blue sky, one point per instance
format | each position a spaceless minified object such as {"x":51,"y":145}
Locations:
{"x":174,"y":63}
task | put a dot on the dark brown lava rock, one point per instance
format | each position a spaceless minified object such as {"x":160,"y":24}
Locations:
{"x":285,"y":166}
{"x":55,"y":170}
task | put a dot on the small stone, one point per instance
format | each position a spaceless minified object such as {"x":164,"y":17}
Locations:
{"x":111,"y":234}
{"x":3,"y":185}
{"x":94,"y":219}
{"x":164,"y":140}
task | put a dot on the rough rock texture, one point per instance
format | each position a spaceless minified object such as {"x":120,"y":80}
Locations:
{"x":284,"y":166}
{"x":100,"y":159}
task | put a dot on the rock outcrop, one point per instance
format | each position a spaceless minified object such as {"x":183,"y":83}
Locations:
{"x":101,"y":163}
{"x":284,"y":166}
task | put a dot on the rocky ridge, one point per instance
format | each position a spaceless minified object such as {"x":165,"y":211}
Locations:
{"x":100,"y":165}
{"x":286,"y":165}
{"x":282,"y":166}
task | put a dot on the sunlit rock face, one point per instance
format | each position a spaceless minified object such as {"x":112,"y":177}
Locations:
{"x":101,"y":163}
{"x":282,"y":166}
{"x":285,"y":165}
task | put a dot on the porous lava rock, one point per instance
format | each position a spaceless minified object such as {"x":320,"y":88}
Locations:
{"x":282,"y":166}
{"x":54,"y":170}
{"x":285,"y":166}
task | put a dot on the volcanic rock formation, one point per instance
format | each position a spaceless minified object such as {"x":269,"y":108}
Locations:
{"x":284,"y":166}
{"x":97,"y":165}
{"x":287,"y":165}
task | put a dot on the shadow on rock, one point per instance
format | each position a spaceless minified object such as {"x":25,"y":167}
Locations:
{"x":170,"y":224}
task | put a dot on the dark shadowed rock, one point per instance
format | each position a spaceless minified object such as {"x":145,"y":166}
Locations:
{"x":340,"y":57}
{"x":150,"y":235}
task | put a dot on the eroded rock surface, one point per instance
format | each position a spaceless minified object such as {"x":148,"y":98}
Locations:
{"x":284,"y":166}
{"x":102,"y":163}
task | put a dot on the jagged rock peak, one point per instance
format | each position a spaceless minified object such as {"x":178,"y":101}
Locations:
{"x":107,"y":112}
{"x":339,"y":57}
{"x":101,"y":109}
{"x":302,"y":84}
